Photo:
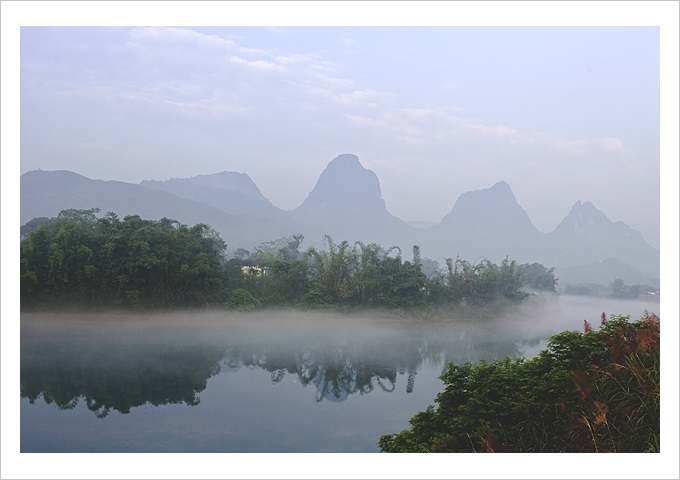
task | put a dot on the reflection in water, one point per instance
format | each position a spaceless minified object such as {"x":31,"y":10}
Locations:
{"x":112,"y":374}
{"x":117,"y":363}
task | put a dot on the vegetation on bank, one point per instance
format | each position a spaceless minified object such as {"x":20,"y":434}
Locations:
{"x":78,"y":259}
{"x":83,"y":260}
{"x":596,"y":391}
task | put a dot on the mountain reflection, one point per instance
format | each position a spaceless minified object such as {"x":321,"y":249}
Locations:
{"x":114,"y":364}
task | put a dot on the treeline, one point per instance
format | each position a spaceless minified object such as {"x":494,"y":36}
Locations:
{"x":79,"y":259}
{"x":84,"y":260}
{"x":597,"y":391}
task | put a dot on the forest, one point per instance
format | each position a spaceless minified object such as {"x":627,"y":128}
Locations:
{"x":80,"y":260}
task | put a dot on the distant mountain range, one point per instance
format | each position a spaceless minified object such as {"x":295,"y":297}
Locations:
{"x":347,"y":204}
{"x":603,"y":272}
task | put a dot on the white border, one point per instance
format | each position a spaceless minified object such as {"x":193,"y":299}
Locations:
{"x":15,"y":14}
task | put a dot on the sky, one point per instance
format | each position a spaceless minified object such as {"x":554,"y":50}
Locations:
{"x":560,"y":113}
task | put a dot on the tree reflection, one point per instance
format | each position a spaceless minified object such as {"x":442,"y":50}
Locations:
{"x":114,"y":375}
{"x":132,"y":367}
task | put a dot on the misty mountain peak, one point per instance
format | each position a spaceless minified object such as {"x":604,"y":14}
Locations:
{"x":229,"y":181}
{"x":346,"y":161}
{"x":494,"y":208}
{"x":346,"y":184}
{"x":347,"y":203}
{"x":502,"y":186}
{"x":582,"y":217}
{"x":587,"y":235}
{"x":231,"y":192}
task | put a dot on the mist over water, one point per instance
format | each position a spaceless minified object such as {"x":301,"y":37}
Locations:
{"x":268,"y":381}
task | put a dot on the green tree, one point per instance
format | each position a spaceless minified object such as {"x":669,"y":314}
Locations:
{"x":618,"y":288}
{"x":242,"y":299}
{"x":134,"y":262}
{"x":539,"y":277}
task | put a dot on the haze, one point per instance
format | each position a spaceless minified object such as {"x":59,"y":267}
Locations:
{"x":561,"y":113}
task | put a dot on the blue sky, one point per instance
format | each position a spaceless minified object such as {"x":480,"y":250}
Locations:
{"x":560,"y":113}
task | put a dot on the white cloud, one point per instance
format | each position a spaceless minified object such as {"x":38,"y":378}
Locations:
{"x":275,"y":30}
{"x":293,"y":59}
{"x":261,"y":65}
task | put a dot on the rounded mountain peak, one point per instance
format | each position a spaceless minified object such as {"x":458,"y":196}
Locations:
{"x":347,"y":189}
{"x":490,"y":208}
{"x":346,"y":181}
{"x":346,"y":161}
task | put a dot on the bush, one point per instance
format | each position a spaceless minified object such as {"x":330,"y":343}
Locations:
{"x":596,"y":391}
{"x":319,"y":296}
{"x":242,"y":299}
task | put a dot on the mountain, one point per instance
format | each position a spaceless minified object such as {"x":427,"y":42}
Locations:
{"x":486,"y":223}
{"x":604,"y":272}
{"x":46,"y":193}
{"x":347,"y":204}
{"x":231,"y":192}
{"x":586,"y":236}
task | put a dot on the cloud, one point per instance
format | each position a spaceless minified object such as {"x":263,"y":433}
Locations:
{"x":260,"y":65}
{"x":293,"y":59}
{"x":275,"y":30}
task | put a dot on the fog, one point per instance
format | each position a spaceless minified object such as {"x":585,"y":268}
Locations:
{"x":265,"y":381}
{"x":311,"y":345}
{"x":537,"y":318}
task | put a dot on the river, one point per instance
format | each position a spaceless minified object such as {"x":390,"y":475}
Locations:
{"x":284,"y":381}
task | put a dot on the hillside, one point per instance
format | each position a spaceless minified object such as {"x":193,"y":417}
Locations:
{"x":231,"y":192}
{"x":45,"y":194}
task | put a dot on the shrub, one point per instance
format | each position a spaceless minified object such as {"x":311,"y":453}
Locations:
{"x":242,"y":299}
{"x":318,"y":296}
{"x":596,"y":391}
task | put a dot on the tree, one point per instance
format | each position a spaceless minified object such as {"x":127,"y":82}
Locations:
{"x":134,"y":262}
{"x":242,"y":299}
{"x":539,"y":277}
{"x":33,"y":224}
{"x":618,"y":288}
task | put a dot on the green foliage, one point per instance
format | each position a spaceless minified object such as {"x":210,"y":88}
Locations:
{"x":135,"y":263}
{"x":591,"y":392}
{"x":620,"y":290}
{"x":479,"y":284}
{"x":242,"y":299}
{"x":77,"y":259}
{"x":33,"y":224}
{"x":319,"y":296}
{"x":367,"y":275}
{"x":538,"y":277}
{"x":285,"y":249}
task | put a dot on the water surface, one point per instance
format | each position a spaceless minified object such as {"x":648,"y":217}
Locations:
{"x":262,"y":382}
